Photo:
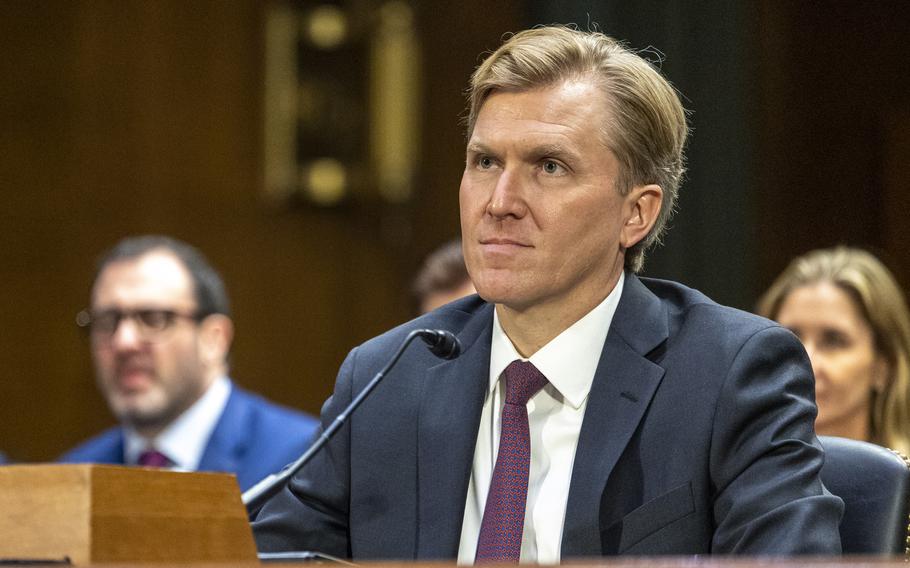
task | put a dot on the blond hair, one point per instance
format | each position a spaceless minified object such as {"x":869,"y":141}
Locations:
{"x":881,"y":302}
{"x":645,"y":128}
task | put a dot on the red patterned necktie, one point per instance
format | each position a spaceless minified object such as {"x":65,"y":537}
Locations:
{"x":504,"y":514}
{"x":153,"y":458}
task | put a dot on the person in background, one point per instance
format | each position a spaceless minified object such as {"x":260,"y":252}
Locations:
{"x":591,"y":412}
{"x":161,"y":331}
{"x":443,"y":278}
{"x":852,"y":318}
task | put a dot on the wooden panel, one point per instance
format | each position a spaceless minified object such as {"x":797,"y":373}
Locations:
{"x":129,"y":117}
{"x":98,"y":514}
{"x":161,"y":516}
{"x":46,"y":512}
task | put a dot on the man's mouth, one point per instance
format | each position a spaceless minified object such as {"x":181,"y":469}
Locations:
{"x":131,"y":378}
{"x":503,"y":245}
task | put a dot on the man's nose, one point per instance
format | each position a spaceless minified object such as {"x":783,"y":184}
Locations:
{"x":508,"y":197}
{"x":127,"y":335}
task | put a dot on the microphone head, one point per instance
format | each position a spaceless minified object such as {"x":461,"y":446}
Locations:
{"x":441,"y":343}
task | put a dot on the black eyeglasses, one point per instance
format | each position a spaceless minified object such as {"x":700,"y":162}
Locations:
{"x":151,"y":323}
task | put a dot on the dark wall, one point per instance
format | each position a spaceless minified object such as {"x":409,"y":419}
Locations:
{"x":834,"y":130}
{"x":800,"y":130}
{"x":702,"y":48}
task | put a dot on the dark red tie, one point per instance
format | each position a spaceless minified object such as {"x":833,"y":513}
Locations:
{"x":504,"y":514}
{"x":153,"y":458}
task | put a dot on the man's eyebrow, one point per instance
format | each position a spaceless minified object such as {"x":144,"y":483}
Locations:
{"x":547,"y":149}
{"x":477,"y":148}
{"x":553,"y":151}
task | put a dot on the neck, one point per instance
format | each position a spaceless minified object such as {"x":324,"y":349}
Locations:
{"x":530,"y":328}
{"x":148,"y":431}
{"x":855,"y":427}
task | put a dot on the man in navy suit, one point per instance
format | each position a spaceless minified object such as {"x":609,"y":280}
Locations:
{"x":161,"y":332}
{"x":666,"y":424}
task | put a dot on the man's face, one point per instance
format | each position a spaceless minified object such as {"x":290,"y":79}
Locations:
{"x":541,"y":218}
{"x":149,"y":379}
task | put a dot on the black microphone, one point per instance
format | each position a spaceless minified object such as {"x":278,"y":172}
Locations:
{"x":441,"y":343}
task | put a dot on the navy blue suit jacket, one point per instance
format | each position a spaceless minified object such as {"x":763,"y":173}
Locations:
{"x":697,"y":438}
{"x":252,"y":439}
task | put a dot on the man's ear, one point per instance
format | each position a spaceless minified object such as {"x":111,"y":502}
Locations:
{"x":216,"y":332}
{"x":641,"y":208}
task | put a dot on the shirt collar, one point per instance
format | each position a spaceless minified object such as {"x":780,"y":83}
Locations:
{"x":185,"y":439}
{"x":570,"y":359}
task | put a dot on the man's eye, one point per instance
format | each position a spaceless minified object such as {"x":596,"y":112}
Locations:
{"x":551,"y":167}
{"x":485,"y":162}
{"x":156,"y":319}
{"x":106,"y":321}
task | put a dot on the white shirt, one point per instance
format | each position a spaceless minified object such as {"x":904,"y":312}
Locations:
{"x":555,"y":414}
{"x":185,"y":439}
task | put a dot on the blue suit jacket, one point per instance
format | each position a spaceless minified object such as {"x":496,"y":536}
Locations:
{"x":697,"y":438}
{"x":252,"y":439}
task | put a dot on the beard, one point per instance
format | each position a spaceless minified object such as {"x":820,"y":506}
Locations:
{"x":153,"y":408}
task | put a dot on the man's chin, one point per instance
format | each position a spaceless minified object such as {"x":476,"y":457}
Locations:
{"x":140,"y":416}
{"x":497,"y":291}
{"x":507,"y":296}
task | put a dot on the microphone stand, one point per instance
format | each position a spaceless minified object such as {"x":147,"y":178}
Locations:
{"x":257,"y":495}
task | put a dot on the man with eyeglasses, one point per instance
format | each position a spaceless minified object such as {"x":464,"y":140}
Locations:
{"x":160,"y":331}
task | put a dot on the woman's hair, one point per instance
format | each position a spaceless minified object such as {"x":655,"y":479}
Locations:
{"x":880,"y":301}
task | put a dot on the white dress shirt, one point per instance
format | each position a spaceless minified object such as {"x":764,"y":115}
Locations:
{"x":185,"y":439}
{"x":555,"y":414}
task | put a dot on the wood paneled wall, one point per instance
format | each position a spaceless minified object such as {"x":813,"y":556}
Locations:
{"x":128,"y":117}
{"x":134,"y":117}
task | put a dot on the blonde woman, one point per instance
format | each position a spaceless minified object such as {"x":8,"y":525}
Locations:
{"x":852,"y":317}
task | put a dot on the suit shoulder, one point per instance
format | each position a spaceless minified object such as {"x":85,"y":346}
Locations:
{"x":106,"y":447}
{"x":451,"y":317}
{"x":267,"y":412}
{"x":688,"y":308}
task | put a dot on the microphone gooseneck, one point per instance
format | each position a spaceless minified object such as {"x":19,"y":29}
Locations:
{"x":441,"y":343}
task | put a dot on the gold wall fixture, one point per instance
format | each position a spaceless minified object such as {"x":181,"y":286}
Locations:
{"x":394,"y":101}
{"x":326,"y":27}
{"x":341,"y":103}
{"x":280,"y":100}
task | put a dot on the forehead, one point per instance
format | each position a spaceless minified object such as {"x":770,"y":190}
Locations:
{"x":569,"y":111}
{"x":821,"y":303}
{"x":157,"y":278}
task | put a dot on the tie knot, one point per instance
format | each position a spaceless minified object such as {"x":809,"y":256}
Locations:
{"x":523,"y":380}
{"x":153,"y":458}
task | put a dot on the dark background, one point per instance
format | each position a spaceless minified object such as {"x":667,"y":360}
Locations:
{"x":128,"y":117}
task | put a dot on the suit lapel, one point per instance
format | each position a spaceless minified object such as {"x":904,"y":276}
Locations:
{"x":624,"y":383}
{"x":116,"y":452}
{"x":229,"y":437}
{"x":450,"y":409}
